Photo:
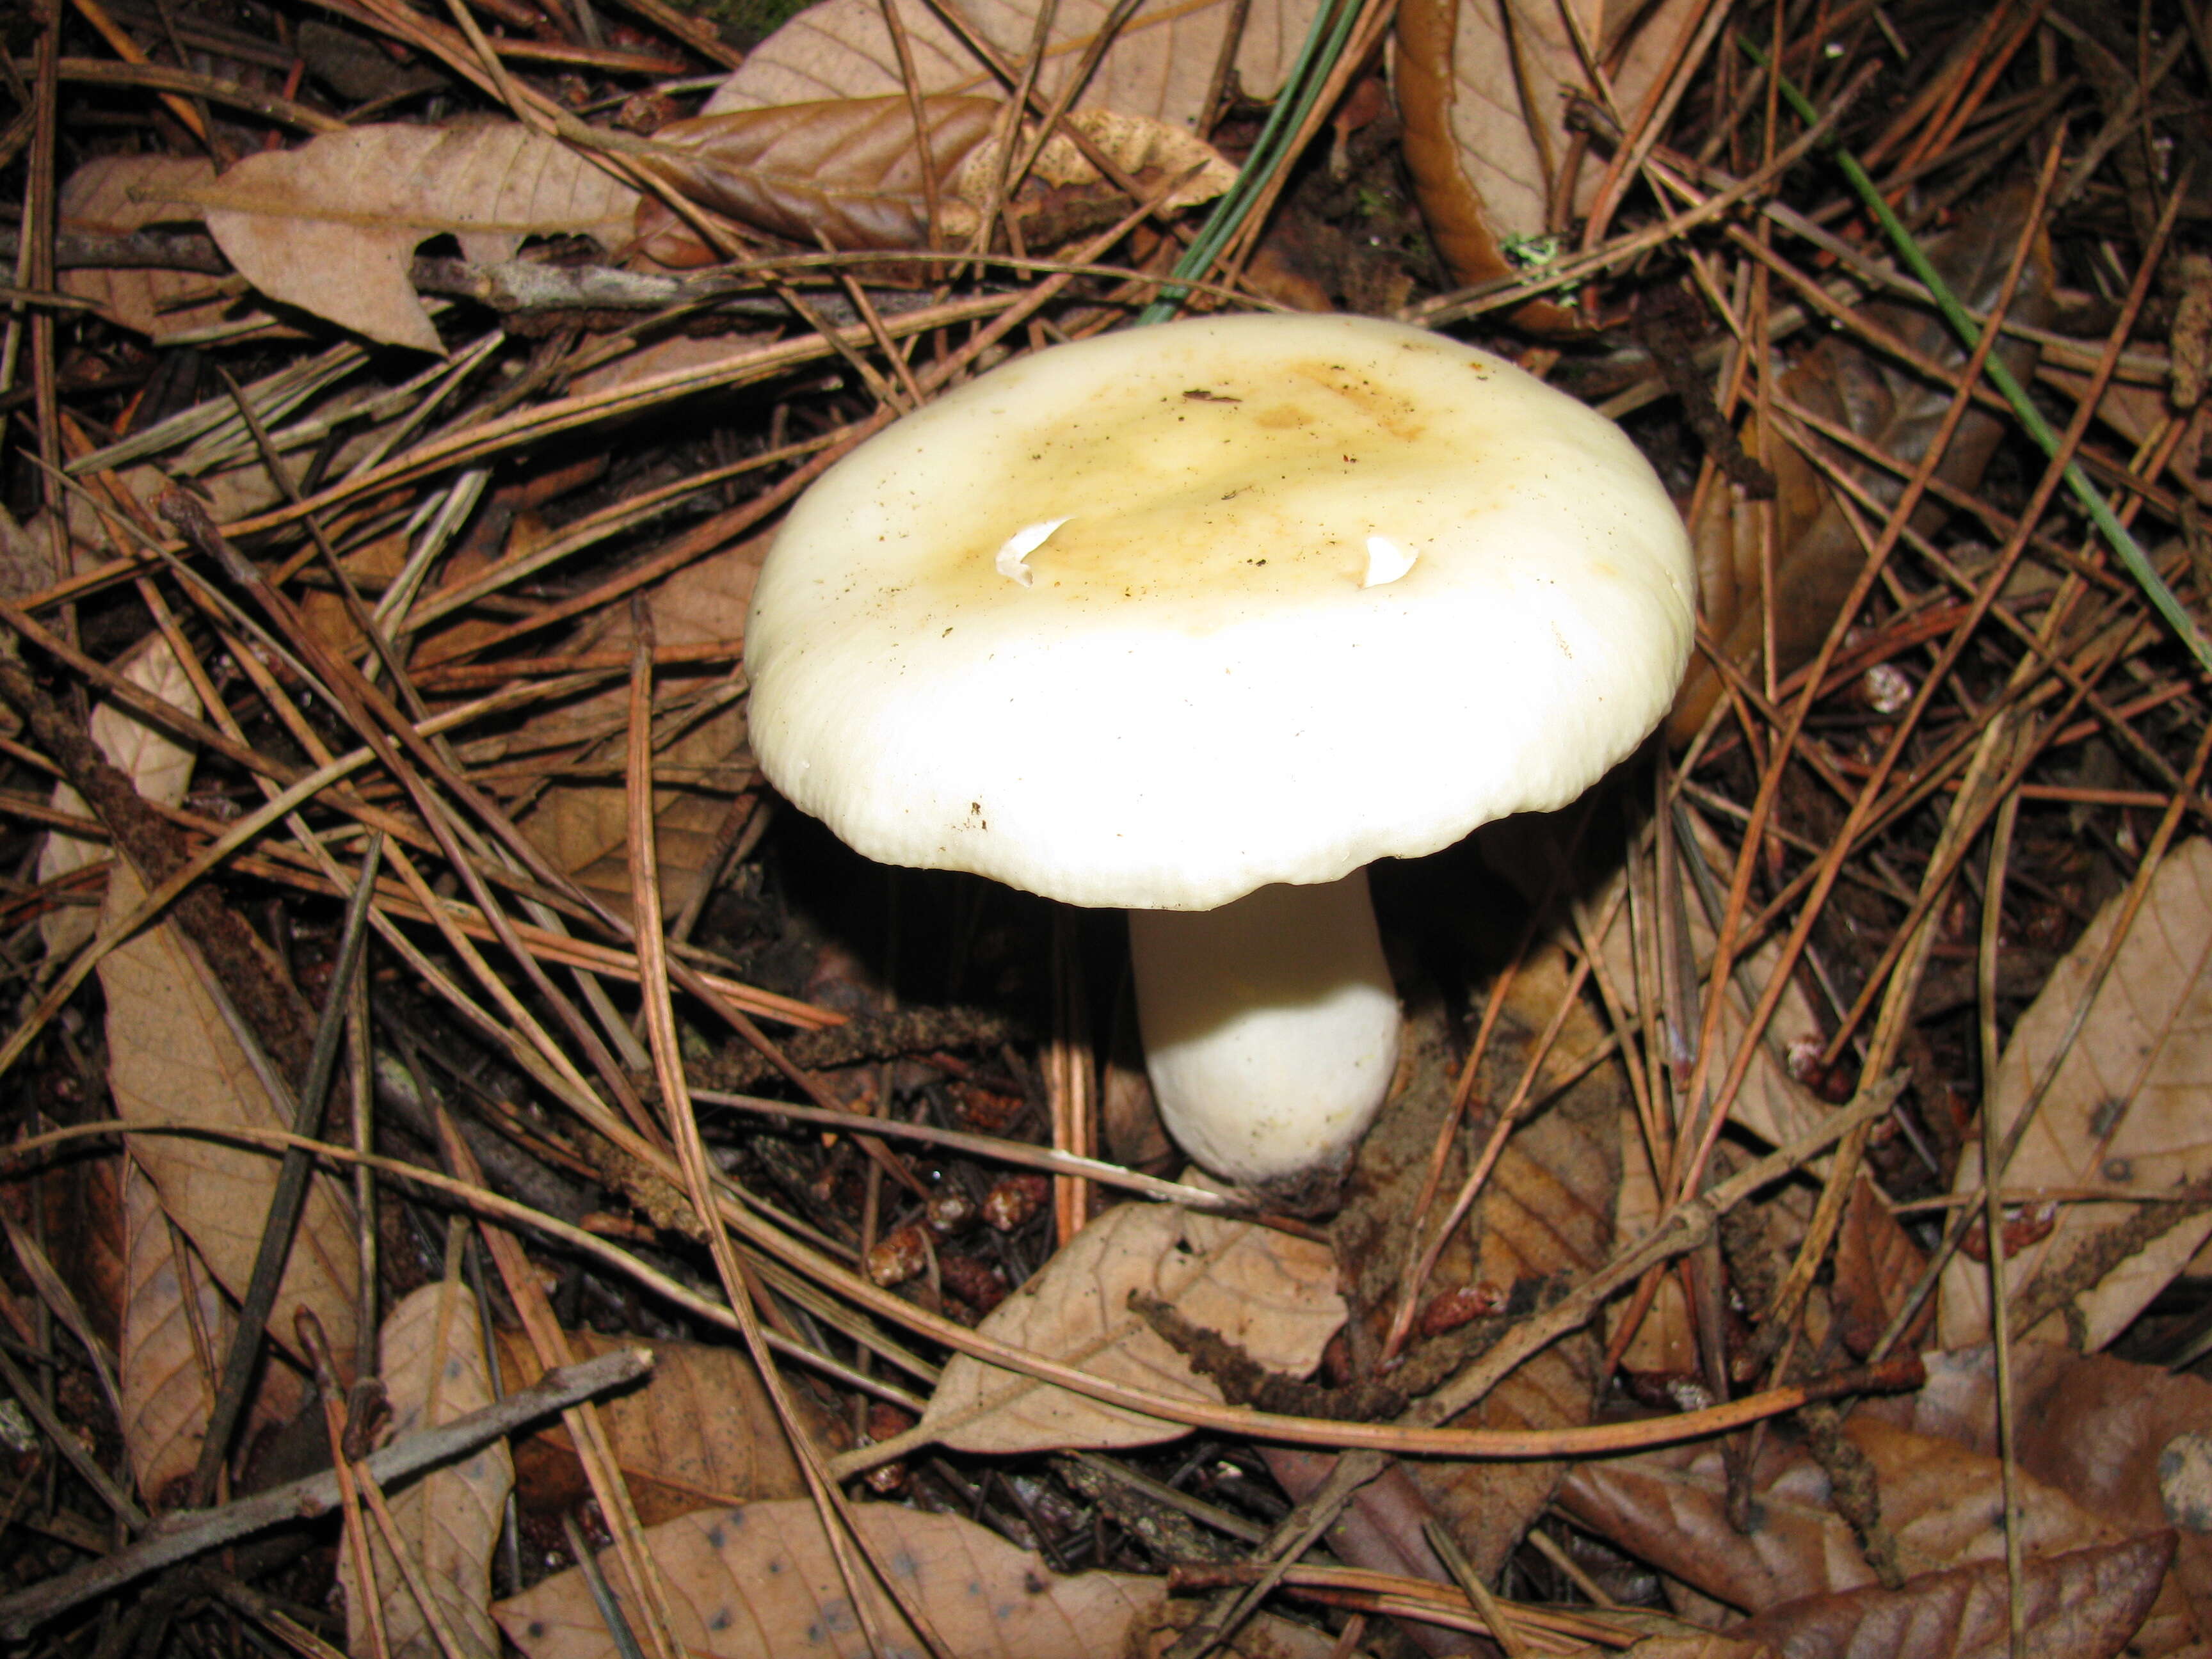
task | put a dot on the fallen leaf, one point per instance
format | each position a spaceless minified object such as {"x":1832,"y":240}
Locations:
{"x":2125,"y":1110}
{"x":28,"y":559}
{"x":356,"y":67}
{"x":1667,"y":1339}
{"x":760,"y":1579}
{"x":1941,"y":1501}
{"x":1877,"y":1264}
{"x":165,"y":1375}
{"x":701,"y":1433}
{"x":332,"y":226}
{"x":1483,"y":89}
{"x":2093,"y":1426}
{"x":158,"y":766}
{"x":1817,"y":556}
{"x":172,"y":1056}
{"x":1547,"y":1209}
{"x":1262,"y":1637}
{"x":117,"y":195}
{"x":1160,"y":65}
{"x":86,"y":1235}
{"x":167,"y":1392}
{"x":848,"y":172}
{"x":430,"y":1354}
{"x":1708,"y":1646}
{"x":2082,"y":1605}
{"x":1272,"y":1294}
{"x":584,"y":826}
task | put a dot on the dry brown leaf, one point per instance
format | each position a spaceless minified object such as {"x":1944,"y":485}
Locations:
{"x":1270,"y":1293}
{"x":2093,"y":1426}
{"x":2125,"y":1110}
{"x":231,"y":493}
{"x":1939,"y":1500}
{"x":28,"y":559}
{"x":158,"y":765}
{"x":167,"y":1390}
{"x":2082,"y":1605}
{"x":1667,"y":1339}
{"x":701,"y":1433}
{"x":332,"y":226}
{"x":1877,"y":1264}
{"x":584,"y":827}
{"x":1698,"y":1647}
{"x":850,"y":168}
{"x":164,"y":1374}
{"x":116,"y":195}
{"x":849,"y":171}
{"x":1817,"y":556}
{"x":1547,"y":1209}
{"x":1160,"y":65}
{"x":759,"y":1579}
{"x":1262,"y":1637}
{"x":1483,"y":88}
{"x":171,"y":1055}
{"x":87,"y":1238}
{"x":430,"y":1355}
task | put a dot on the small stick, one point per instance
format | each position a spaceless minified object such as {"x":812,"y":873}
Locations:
{"x":1506,"y":1635}
{"x":1993,"y":887}
{"x":79,"y":1459}
{"x":354,"y":1539}
{"x":290,"y":1196}
{"x":410,"y":1568}
{"x":603,"y":1594}
{"x":187,"y":1532}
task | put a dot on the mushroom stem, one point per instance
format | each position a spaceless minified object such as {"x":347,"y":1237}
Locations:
{"x":1270,"y":1028}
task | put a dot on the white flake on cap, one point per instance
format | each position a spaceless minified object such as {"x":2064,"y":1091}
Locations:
{"x":1387,"y":560}
{"x":1023,"y":543}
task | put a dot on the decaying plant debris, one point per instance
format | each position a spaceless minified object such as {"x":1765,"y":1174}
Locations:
{"x":485,"y":1175}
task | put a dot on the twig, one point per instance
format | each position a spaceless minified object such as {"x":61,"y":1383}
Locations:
{"x":364,"y":1593}
{"x":289,"y":1196}
{"x":993,"y":1148}
{"x":1292,"y":1537}
{"x":594,"y":1448}
{"x":187,"y":1533}
{"x":1502,"y":1630}
{"x":1993,"y":1220}
{"x":70,"y":1447}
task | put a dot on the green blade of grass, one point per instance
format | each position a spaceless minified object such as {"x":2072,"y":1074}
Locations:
{"x":1317,"y":56}
{"x":2116,"y":534}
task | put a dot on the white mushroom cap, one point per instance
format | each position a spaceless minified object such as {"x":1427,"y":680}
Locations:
{"x":1157,"y":618}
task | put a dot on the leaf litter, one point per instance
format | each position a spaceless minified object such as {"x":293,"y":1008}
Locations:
{"x":559,"y":334}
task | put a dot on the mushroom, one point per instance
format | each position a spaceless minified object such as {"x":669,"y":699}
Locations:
{"x":1198,"y":621}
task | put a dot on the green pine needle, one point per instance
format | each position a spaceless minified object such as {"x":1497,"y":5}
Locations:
{"x":2116,"y":534}
{"x":1324,"y":45}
